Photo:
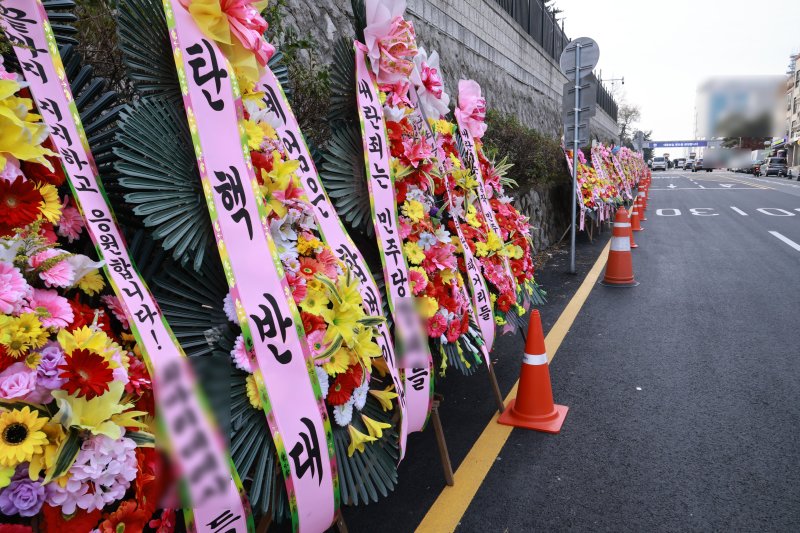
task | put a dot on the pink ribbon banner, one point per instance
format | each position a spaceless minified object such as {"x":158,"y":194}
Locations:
{"x":271,"y":326}
{"x":624,"y":181}
{"x":470,"y":157}
{"x":200,"y":454}
{"x":481,"y":303}
{"x":415,"y":359}
{"x":331,"y":227}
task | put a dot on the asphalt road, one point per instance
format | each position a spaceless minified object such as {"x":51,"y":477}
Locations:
{"x":683,"y":392}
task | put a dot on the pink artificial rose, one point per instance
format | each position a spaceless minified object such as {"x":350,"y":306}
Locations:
{"x":17,"y":381}
{"x":248,"y":26}
{"x":391,"y":41}
{"x":471,"y":110}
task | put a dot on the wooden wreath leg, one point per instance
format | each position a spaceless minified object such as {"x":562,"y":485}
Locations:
{"x":440,"y":441}
{"x":340,"y":524}
{"x":498,"y":398}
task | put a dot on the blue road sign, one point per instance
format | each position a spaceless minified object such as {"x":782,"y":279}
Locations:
{"x":678,"y":144}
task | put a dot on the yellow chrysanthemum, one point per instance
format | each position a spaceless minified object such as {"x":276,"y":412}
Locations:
{"x":33,"y":359}
{"x":472,"y":217}
{"x":374,"y":427}
{"x":20,"y":334}
{"x":315,"y":301}
{"x":447,"y":275}
{"x":493,"y":241}
{"x":413,"y":253}
{"x":455,"y":160}
{"x":21,"y":436}
{"x":384,"y":397}
{"x":413,"y":209}
{"x":255,"y":135}
{"x":92,"y":283}
{"x":276,"y":181}
{"x":307,"y":246}
{"x":50,"y":207}
{"x":481,"y":250}
{"x":357,"y":440}
{"x":252,"y":391}
{"x":427,"y":306}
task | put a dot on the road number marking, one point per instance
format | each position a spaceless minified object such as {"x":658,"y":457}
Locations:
{"x":698,"y":211}
{"x":662,"y":213}
{"x":740,"y":211}
{"x":787,"y":240}
{"x":765,"y":210}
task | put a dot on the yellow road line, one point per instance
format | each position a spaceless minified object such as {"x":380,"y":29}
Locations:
{"x":446,"y":512}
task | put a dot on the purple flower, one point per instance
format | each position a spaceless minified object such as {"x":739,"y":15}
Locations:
{"x":48,"y":371}
{"x":22,"y":496}
{"x":17,"y":381}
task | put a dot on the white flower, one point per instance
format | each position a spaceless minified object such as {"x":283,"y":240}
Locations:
{"x":427,"y":67}
{"x":230,"y":308}
{"x":426,"y":240}
{"x":82,"y":265}
{"x":324,"y":381}
{"x":343,"y":413}
{"x":394,"y":114}
{"x":442,"y":235}
{"x":360,"y":395}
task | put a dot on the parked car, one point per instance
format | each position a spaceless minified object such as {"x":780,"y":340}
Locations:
{"x":774,"y":165}
{"x":659,"y":163}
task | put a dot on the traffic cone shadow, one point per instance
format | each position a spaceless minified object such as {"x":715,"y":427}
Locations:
{"x":533,"y":408}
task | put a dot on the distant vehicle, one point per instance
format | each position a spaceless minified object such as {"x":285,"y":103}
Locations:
{"x":659,"y":163}
{"x":689,"y":165}
{"x":774,"y":165}
{"x":681,"y":162}
{"x":698,"y":165}
{"x":755,"y":170}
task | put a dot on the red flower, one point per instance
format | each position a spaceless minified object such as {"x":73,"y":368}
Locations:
{"x":46,"y":231}
{"x":15,"y":528}
{"x":40,"y":174}
{"x":19,"y":204}
{"x":164,"y":524}
{"x":129,"y":515}
{"x":309,"y":267}
{"x":153,"y":479}
{"x":312,"y":323}
{"x":87,"y":373}
{"x":85,"y":315}
{"x":261,"y":161}
{"x":504,"y":302}
{"x":56,"y":522}
{"x":138,"y":378}
{"x":341,"y":389}
{"x":453,"y":331}
{"x":5,"y":359}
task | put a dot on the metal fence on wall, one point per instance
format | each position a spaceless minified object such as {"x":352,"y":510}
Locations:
{"x":542,"y":25}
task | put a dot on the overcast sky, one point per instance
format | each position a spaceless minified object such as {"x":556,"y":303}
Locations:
{"x":665,"y":50}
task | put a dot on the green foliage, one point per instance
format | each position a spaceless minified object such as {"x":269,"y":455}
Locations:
{"x":309,"y":76}
{"x":537,"y":159}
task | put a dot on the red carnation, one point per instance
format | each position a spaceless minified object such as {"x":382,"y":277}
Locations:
{"x":19,"y":204}
{"x":40,"y":174}
{"x":87,"y":373}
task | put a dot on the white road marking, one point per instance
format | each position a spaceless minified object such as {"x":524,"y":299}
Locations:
{"x":671,"y":185}
{"x":784,"y":211}
{"x":726,"y":185}
{"x":675,"y":212}
{"x":787,"y":240}
{"x":699,"y":211}
{"x":740,"y":211}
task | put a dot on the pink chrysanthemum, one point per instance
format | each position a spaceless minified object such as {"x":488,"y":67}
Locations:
{"x":418,"y":282}
{"x":229,"y":306}
{"x":13,"y":288}
{"x":437,"y":325}
{"x":240,"y":356}
{"x":57,"y":311}
{"x":115,"y":306}
{"x":71,"y":224}
{"x":61,"y":274}
{"x":328,"y":262}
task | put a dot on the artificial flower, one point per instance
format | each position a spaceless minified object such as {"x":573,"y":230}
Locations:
{"x":23,"y":496}
{"x":21,"y":435}
{"x":53,"y":309}
{"x":19,"y":201}
{"x":357,"y":440}
{"x":85,"y":374}
{"x":374,"y":427}
{"x":253,"y":395}
{"x":390,"y":40}
{"x":471,"y":110}
{"x":102,"y":415}
{"x":13,"y":288}
{"x":384,"y":397}
{"x":91,"y":283}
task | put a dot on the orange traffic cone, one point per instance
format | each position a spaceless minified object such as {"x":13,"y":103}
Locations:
{"x":533,"y":408}
{"x":640,"y":210}
{"x":619,"y":268}
{"x":635,"y":225}
{"x":633,"y":243}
